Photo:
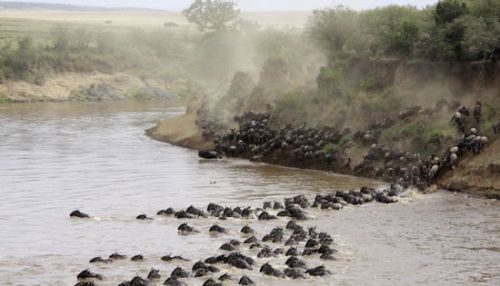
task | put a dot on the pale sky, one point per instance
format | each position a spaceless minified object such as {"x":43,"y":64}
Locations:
{"x":245,"y":5}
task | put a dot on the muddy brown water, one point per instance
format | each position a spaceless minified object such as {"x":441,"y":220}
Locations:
{"x":55,"y":158}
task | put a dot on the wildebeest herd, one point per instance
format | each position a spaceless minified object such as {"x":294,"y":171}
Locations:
{"x":321,"y":148}
{"x":255,"y":139}
{"x":249,"y":251}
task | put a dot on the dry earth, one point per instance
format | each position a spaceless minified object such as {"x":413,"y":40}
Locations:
{"x":59,"y":87}
{"x":477,"y":174}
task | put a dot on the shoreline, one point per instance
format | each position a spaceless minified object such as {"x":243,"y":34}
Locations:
{"x":478,"y":175}
{"x":73,"y":87}
{"x":475,"y":175}
{"x":181,"y":131}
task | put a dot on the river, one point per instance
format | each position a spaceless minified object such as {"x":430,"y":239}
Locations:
{"x":57,"y":157}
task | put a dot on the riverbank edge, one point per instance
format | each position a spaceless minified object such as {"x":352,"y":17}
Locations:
{"x":93,"y":86}
{"x":478,"y":176}
{"x":181,"y":131}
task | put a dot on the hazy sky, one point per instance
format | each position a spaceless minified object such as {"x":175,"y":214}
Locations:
{"x":247,"y":5}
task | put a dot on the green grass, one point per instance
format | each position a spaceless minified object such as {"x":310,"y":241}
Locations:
{"x":423,"y":136}
{"x":492,"y":194}
{"x":33,"y":49}
{"x":332,"y":148}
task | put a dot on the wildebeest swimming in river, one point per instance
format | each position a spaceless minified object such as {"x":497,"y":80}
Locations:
{"x":78,"y":214}
{"x":311,"y":242}
{"x":86,"y":274}
{"x":245,"y":280}
{"x":208,"y":154}
{"x":85,"y":283}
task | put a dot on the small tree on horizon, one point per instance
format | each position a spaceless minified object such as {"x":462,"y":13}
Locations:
{"x":212,"y":15}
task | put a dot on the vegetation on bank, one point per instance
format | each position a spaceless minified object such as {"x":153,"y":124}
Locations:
{"x":450,"y":30}
{"x":190,"y":63}
{"x":85,"y":48}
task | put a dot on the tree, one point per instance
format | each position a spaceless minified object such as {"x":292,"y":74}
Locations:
{"x":212,"y":15}
{"x":331,"y":28}
{"x":394,"y":30}
{"x":488,"y":9}
{"x":449,"y":29}
{"x":482,"y":29}
{"x":481,"y":37}
{"x":449,"y":10}
{"x":405,"y":37}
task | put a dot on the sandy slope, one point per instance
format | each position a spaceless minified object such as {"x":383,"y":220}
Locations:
{"x":59,"y":87}
{"x":477,"y":174}
{"x":181,"y":131}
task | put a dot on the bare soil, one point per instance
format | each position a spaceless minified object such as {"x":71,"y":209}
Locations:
{"x":181,"y":131}
{"x":478,"y":175}
{"x":59,"y":87}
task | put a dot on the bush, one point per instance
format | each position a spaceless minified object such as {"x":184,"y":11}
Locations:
{"x":290,"y":109}
{"x":331,"y":149}
{"x":369,"y":83}
{"x":424,"y":137}
{"x":378,"y":106}
{"x":18,"y":62}
{"x":329,"y":81}
{"x":170,"y":25}
{"x":39,"y":80}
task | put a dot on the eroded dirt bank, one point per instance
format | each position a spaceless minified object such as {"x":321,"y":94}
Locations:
{"x":477,"y":175}
{"x":83,"y":87}
{"x":181,"y":131}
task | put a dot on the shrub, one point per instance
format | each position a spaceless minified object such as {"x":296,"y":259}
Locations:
{"x":331,"y":149}
{"x":329,"y":81}
{"x":170,"y":25}
{"x":378,"y":106}
{"x":290,"y":108}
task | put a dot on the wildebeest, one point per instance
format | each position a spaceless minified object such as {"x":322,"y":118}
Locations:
{"x":78,"y":214}
{"x":477,"y":111}
{"x":208,"y":154}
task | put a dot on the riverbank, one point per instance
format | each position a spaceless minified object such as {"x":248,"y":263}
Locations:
{"x":478,"y":175}
{"x":181,"y":131}
{"x":475,"y":175}
{"x":83,"y":87}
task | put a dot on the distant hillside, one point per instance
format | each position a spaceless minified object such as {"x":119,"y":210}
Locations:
{"x":12,"y":5}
